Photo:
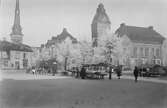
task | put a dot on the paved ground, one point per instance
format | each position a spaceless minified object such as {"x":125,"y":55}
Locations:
{"x":77,"y":93}
{"x":28,"y":76}
{"x":21,"y":90}
{"x":24,"y":76}
{"x":147,"y":79}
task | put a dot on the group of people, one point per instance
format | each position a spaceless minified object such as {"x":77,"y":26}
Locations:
{"x":39,"y":70}
{"x":81,"y":73}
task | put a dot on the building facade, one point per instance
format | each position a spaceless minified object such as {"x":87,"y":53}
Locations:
{"x":14,"y":56}
{"x":141,"y":45}
{"x":49,"y":49}
{"x":100,"y":25}
{"x":58,"y":45}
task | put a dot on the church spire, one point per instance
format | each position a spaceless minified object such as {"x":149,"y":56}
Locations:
{"x":16,"y":35}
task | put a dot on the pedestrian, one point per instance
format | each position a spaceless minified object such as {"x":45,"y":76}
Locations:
{"x":33,"y":70}
{"x":136,"y":72}
{"x":118,"y":71}
{"x":77,"y":70}
{"x":110,"y":72}
{"x":54,"y":70}
{"x":83,"y":73}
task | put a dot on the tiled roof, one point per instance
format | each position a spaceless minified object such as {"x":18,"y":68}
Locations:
{"x":61,"y":37}
{"x":145,"y":35}
{"x":8,"y":46}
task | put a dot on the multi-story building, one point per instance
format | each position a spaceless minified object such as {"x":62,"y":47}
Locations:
{"x":58,"y":45}
{"x":48,"y":50}
{"x":142,"y":45}
{"x":100,"y":25}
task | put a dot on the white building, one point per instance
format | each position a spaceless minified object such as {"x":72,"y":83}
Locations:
{"x":14,"y":56}
{"x":143,"y":45}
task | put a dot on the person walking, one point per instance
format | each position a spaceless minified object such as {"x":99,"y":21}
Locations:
{"x":54,"y":69}
{"x":33,"y":70}
{"x":118,"y":71}
{"x":110,"y":72}
{"x":136,"y":72}
{"x":77,"y":70}
{"x":83,"y":73}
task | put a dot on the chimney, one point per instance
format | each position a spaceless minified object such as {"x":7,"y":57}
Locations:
{"x":64,"y":29}
{"x":150,"y":27}
{"x":4,"y":38}
{"x":122,"y":24}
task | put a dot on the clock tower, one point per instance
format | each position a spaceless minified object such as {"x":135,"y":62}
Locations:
{"x":100,"y":24}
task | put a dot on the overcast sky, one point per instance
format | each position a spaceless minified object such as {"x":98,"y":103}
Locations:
{"x":42,"y":19}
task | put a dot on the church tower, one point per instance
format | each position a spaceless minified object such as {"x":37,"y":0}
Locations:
{"x":16,"y":35}
{"x":100,"y":24}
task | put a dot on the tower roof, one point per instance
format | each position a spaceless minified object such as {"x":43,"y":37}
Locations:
{"x":101,"y":15}
{"x":16,"y":29}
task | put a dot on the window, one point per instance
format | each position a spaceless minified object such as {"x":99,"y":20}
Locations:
{"x":25,"y":63}
{"x":17,"y":55}
{"x":135,"y":52}
{"x":152,"y":52}
{"x":157,"y":52}
{"x":24,"y":55}
{"x":6,"y":63}
{"x":158,"y":61}
{"x":141,"y":52}
{"x":4,"y":55}
{"x":146,"y":52}
{"x":124,"y":50}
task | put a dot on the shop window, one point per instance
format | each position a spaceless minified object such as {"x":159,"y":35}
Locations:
{"x":6,"y":63}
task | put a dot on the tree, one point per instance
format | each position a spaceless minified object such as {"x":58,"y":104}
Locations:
{"x":107,"y":48}
{"x":69,"y":53}
{"x":85,"y":52}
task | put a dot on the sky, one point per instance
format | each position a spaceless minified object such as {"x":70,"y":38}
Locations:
{"x":42,"y":19}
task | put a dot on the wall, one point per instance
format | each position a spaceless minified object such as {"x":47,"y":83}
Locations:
{"x":164,"y":52}
{"x":128,"y":53}
{"x":17,"y":56}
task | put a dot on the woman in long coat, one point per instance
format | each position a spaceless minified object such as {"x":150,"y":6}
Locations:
{"x":118,"y":71}
{"x":136,"y":72}
{"x":83,"y":73}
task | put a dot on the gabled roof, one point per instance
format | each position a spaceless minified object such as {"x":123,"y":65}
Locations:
{"x":61,"y":37}
{"x":145,"y":35}
{"x":8,"y":46}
